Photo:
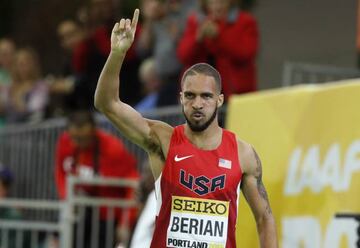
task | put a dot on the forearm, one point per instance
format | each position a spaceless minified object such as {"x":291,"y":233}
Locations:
{"x":107,"y":90}
{"x":267,"y":232}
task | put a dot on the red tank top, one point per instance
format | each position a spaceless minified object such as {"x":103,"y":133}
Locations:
{"x":197,"y":194}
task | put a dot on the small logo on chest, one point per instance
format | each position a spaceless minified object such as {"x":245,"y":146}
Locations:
{"x":178,"y":159}
{"x":201,"y":185}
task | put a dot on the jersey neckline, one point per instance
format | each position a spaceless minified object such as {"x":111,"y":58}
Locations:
{"x":197,"y":148}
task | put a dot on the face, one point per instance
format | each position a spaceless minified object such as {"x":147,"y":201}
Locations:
{"x":152,"y":9}
{"x":26,"y":65}
{"x":149,"y":78}
{"x":218,"y":9}
{"x":200,"y":100}
{"x":82,"y":136}
{"x":69,"y":34}
{"x":7,"y":53}
{"x":102,"y":10}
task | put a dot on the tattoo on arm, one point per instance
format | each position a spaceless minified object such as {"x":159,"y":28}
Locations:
{"x":260,"y":185}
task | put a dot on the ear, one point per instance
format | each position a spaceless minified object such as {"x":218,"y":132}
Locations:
{"x":220,"y":100}
{"x":181,"y":95}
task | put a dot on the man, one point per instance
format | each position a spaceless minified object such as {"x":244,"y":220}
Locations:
{"x":86,"y":151}
{"x":197,"y":166}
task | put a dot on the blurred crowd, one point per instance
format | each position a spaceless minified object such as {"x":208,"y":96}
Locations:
{"x":171,"y":36}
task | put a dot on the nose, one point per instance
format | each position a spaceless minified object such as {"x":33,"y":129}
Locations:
{"x":197,"y":103}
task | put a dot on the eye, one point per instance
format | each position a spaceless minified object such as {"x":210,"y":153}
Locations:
{"x":207,"y":96}
{"x":189,"y":95}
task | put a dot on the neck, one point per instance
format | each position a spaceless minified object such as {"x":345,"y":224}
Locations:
{"x":208,"y":139}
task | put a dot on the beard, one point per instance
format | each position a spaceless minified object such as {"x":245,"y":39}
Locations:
{"x":196,"y":126}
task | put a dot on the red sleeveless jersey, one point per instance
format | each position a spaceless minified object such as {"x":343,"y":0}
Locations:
{"x":197,"y":194}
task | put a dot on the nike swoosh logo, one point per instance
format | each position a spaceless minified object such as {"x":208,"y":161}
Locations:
{"x":178,"y":159}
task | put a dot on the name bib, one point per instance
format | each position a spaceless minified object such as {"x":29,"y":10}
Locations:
{"x":199,"y":223}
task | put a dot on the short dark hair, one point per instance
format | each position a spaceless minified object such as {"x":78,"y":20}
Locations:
{"x":206,"y":69}
{"x":80,"y":118}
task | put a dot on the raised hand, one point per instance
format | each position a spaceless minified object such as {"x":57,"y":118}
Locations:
{"x":123,"y":33}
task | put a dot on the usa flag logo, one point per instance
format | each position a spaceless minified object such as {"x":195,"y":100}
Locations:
{"x":224,"y":163}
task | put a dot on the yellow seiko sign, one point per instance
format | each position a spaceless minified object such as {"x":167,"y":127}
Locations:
{"x":308,"y":138}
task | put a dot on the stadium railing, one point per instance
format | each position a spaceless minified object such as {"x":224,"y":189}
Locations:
{"x":23,"y":231}
{"x":29,"y":151}
{"x":27,"y":232}
{"x":77,"y":206}
{"x":305,"y":73}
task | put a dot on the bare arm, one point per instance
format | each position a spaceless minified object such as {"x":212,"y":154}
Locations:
{"x":255,"y":194}
{"x":146,"y":133}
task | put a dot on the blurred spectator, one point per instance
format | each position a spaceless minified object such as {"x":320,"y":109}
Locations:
{"x":151,"y":85}
{"x":163,"y":25}
{"x":102,"y":12}
{"x":225,"y":37}
{"x":66,"y":91}
{"x":102,"y":18}
{"x":88,"y":45}
{"x":6,"y":179}
{"x":11,"y":213}
{"x":7,"y":53}
{"x":27,"y":95}
{"x":7,"y":213}
{"x":86,"y":151}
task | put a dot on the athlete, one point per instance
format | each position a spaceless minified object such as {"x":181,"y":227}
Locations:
{"x":199,"y":167}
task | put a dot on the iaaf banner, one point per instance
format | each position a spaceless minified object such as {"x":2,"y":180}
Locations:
{"x":308,"y":138}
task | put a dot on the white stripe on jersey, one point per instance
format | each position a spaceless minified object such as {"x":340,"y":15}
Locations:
{"x":158,"y":194}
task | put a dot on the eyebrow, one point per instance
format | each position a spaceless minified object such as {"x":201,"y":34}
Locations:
{"x":206,"y":93}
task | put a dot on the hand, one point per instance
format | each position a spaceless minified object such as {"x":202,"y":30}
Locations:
{"x":123,"y":33}
{"x":207,"y":29}
{"x":122,"y":235}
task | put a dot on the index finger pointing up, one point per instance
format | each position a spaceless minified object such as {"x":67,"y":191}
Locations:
{"x":135,"y":19}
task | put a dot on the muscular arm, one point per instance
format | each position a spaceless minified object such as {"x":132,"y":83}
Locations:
{"x":153,"y":136}
{"x":257,"y":198}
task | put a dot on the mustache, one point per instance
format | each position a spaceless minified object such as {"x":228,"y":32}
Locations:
{"x":197,"y":112}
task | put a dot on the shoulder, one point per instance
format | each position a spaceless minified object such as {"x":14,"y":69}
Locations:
{"x":108,"y":140}
{"x":64,"y":138}
{"x":195,"y":17}
{"x":106,"y":136}
{"x":247,"y":156}
{"x":65,"y":144}
{"x":161,"y":132}
{"x":246,"y":18}
{"x":160,"y":128}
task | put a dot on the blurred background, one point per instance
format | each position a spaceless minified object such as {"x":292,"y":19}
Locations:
{"x":322,"y":32}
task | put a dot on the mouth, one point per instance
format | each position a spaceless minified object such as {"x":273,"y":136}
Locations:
{"x":197,"y":115}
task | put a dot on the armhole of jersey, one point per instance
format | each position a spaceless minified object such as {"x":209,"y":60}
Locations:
{"x":170,"y":145}
{"x":238,"y":192}
{"x":158,"y":194}
{"x":237,"y":155}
